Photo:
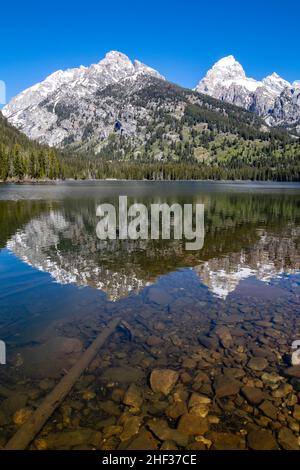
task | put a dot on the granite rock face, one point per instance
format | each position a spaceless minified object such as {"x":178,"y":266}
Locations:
{"x":273,"y":98}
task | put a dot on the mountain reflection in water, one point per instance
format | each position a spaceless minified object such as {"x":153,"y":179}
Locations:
{"x":245,"y":235}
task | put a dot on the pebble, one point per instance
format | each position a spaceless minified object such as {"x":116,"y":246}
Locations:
{"x":271,"y":378}
{"x":88,"y":395}
{"x":21,"y":416}
{"x":258,"y":363}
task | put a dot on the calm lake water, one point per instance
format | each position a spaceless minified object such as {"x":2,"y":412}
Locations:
{"x":224,"y":318}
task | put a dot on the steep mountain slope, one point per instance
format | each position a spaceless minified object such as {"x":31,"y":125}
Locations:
{"x":42,"y":111}
{"x":286,"y":110}
{"x":172,"y":133}
{"x":273,"y":98}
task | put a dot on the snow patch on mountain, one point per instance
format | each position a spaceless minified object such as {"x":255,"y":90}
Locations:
{"x":35,"y":110}
{"x":270,"y":98}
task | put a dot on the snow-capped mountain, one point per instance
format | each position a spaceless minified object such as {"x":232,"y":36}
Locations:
{"x":273,"y":98}
{"x":80,"y":107}
{"x":43,"y":112}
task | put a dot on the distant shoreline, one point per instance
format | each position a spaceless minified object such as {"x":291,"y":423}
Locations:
{"x":112,"y":180}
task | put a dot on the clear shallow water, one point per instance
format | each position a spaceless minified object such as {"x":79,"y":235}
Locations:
{"x":59,"y":284}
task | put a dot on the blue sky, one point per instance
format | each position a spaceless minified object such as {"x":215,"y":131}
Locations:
{"x":182,"y":39}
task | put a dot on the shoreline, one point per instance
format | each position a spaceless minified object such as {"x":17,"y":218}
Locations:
{"x":111,"y":180}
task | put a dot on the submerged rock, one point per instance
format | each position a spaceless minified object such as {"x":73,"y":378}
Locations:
{"x":163,"y":380}
{"x":197,"y":399}
{"x":296,"y":413}
{"x":199,"y":405}
{"x":282,"y":391}
{"x":208,"y":342}
{"x":269,"y":409}
{"x":131,"y":427}
{"x":293,"y":372}
{"x":110,"y":408}
{"x":226,"y":441}
{"x":133,"y":397}
{"x":21,"y":416}
{"x":235,"y":372}
{"x":176,"y":410}
{"x":271,"y":379}
{"x":154,"y":341}
{"x":253,"y":395}
{"x":261,"y":439}
{"x":47,"y":384}
{"x":287,"y":439}
{"x":88,"y":395}
{"x":200,"y":410}
{"x":161,"y":430}
{"x":258,"y":363}
{"x":192,"y":425}
{"x":225,"y":386}
{"x":69,"y":439}
{"x":224,"y":335}
{"x":168,"y":445}
{"x":112,"y":430}
{"x":144,"y":441}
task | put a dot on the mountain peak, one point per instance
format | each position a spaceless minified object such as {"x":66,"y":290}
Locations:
{"x":226,"y":72}
{"x":227,"y":68}
{"x":116,"y":56}
{"x":275,"y":83}
{"x":226,"y":61}
{"x":230,"y":65}
{"x":112,"y":54}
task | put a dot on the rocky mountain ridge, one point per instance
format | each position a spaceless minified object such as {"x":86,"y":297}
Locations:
{"x":274,"y":99}
{"x":81,"y":106}
{"x":54,"y":110}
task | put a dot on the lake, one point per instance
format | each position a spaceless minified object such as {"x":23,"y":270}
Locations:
{"x":218,"y":324}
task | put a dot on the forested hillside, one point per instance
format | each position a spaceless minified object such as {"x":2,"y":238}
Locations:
{"x":22,"y":158}
{"x":185,"y":136}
